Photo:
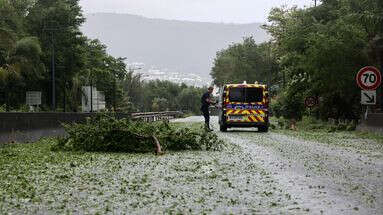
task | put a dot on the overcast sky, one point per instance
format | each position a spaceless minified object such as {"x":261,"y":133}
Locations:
{"x":228,"y":11}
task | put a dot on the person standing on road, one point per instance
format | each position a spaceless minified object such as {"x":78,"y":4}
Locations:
{"x":206,"y":102}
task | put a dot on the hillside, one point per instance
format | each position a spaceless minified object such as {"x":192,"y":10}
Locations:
{"x":175,"y":46}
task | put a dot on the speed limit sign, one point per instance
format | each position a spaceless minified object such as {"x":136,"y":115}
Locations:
{"x":369,"y":78}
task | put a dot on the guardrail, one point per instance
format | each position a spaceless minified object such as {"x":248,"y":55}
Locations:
{"x":156,"y":116}
{"x":29,"y":127}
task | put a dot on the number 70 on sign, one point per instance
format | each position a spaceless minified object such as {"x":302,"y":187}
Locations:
{"x":368,"y":78}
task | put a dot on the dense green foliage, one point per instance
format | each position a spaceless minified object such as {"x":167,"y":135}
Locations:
{"x":107,"y":134}
{"x":30,"y":29}
{"x":158,"y":95}
{"x":245,"y":61}
{"x":318,"y":52}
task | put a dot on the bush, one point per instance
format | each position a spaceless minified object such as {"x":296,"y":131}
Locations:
{"x":276,"y":107}
{"x":351,"y":127}
{"x":316,"y":127}
{"x":332,"y":128}
{"x":106,"y":134}
{"x":289,"y":105}
{"x":341,"y":127}
{"x":3,"y":108}
{"x":281,"y":122}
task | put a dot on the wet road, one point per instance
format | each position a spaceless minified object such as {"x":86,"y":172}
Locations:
{"x":335,"y":175}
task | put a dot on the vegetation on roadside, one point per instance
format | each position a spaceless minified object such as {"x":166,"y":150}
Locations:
{"x":246,"y":61}
{"x":311,"y":128}
{"x":29,"y":29}
{"x":161,"y":96}
{"x":314,"y":51}
{"x":106,"y":134}
{"x":354,"y":139}
{"x":309,"y":123}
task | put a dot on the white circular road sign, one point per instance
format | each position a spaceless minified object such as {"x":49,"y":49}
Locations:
{"x":368,"y":78}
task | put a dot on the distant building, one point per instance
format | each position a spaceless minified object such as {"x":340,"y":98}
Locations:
{"x":166,"y":75}
{"x":175,"y":77}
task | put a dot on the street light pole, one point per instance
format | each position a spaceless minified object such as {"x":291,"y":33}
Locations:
{"x":270,"y":66}
{"x":51,"y":27}
{"x":53,"y":74}
{"x":64,"y":99}
{"x":91,"y":95}
{"x":379,"y":49}
{"x":114,"y":93}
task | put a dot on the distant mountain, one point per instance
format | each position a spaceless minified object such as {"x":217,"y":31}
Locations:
{"x":178,"y":46}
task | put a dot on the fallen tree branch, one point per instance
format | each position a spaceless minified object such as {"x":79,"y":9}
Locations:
{"x":156,"y":142}
{"x":158,"y":146}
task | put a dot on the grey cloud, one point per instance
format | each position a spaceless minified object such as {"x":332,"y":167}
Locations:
{"x":228,"y":11}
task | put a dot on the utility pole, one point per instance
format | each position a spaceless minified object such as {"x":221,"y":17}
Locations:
{"x":379,"y":53}
{"x":381,"y":74}
{"x":114,"y":93}
{"x":315,"y":3}
{"x":51,"y":27}
{"x":53,"y":74}
{"x":64,"y":98}
{"x":270,"y":66}
{"x":91,"y":95}
{"x":4,"y":95}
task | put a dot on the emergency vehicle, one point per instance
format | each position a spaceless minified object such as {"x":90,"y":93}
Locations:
{"x":243,"y":105}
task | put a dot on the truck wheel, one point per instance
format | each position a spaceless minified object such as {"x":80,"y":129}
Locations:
{"x":263,"y":128}
{"x":223,"y":128}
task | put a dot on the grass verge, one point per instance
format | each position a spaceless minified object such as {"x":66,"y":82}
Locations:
{"x":324,"y":132}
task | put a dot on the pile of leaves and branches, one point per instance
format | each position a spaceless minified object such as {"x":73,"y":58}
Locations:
{"x":107,"y":134}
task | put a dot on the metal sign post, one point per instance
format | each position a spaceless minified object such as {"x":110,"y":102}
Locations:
{"x":51,"y":27}
{"x":368,"y":79}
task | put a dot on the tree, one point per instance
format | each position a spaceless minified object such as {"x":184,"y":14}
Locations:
{"x":244,"y":61}
{"x":189,"y":99}
{"x":132,"y":88}
{"x":320,"y":50}
{"x":56,"y":23}
{"x":160,"y":104}
{"x":21,"y":68}
{"x":32,"y":32}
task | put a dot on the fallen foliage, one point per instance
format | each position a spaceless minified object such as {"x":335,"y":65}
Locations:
{"x":106,"y":134}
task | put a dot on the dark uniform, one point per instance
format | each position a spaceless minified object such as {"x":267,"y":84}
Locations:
{"x":205,"y":108}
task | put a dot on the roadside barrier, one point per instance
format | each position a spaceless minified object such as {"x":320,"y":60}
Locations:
{"x":30,"y":127}
{"x":156,"y":116}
